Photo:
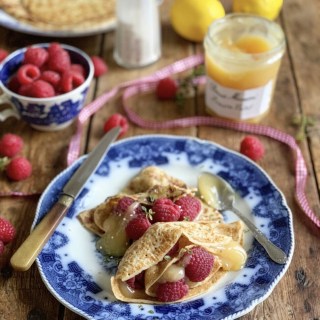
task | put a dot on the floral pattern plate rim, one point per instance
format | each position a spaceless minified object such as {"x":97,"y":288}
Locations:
{"x":78,"y":275}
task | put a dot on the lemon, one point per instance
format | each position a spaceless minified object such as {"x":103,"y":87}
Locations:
{"x":266,"y":8}
{"x":191,"y":18}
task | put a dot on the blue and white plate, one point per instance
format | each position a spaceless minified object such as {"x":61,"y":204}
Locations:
{"x":79,"y":276}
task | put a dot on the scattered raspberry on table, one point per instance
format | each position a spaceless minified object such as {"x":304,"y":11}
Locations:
{"x":166,"y":89}
{"x":252,"y":147}
{"x":7,"y":231}
{"x":116,"y":120}
{"x":100,"y":67}
{"x":19,"y":169}
{"x":10,"y":145}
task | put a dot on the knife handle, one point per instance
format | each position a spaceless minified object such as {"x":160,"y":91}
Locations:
{"x":24,"y":257}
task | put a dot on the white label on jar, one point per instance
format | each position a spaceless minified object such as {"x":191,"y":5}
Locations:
{"x":237,"y":104}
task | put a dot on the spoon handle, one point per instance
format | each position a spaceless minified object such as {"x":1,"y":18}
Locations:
{"x":275,"y":253}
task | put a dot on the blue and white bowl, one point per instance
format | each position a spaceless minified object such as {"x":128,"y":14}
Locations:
{"x":46,"y":114}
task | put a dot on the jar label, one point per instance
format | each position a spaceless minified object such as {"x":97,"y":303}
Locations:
{"x":237,"y":104}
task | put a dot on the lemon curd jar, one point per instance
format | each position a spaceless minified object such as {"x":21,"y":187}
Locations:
{"x":243,"y":54}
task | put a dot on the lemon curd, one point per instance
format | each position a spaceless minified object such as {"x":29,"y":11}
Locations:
{"x":242,"y":56}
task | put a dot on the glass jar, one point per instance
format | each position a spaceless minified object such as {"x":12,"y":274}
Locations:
{"x":243,"y":54}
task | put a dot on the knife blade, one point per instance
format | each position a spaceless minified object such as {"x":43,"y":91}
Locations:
{"x":24,"y":257}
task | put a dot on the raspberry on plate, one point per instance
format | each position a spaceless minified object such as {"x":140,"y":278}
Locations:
{"x":252,"y":147}
{"x":199,"y":263}
{"x":166,"y":89}
{"x":7,"y":231}
{"x":19,"y":169}
{"x":10,"y":145}
{"x":189,"y":207}
{"x":137,"y":227}
{"x":115,"y":120}
{"x":172,"y":291}
{"x":137,"y":282}
{"x":165,"y":210}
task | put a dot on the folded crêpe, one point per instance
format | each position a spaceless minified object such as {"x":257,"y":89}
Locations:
{"x":150,"y":254}
{"x":150,"y":183}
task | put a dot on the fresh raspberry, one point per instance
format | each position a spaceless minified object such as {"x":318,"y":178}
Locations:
{"x":54,"y":47}
{"x":100,"y":67}
{"x":166,"y":89}
{"x":1,"y":247}
{"x":79,"y":69}
{"x":199,"y":263}
{"x":38,"y":89}
{"x":7,"y":231}
{"x":51,"y":77}
{"x":14,"y":84}
{"x":137,"y":227}
{"x":19,"y":169}
{"x":70,"y":80}
{"x":189,"y":207}
{"x":28,"y":73}
{"x":252,"y":147}
{"x":35,"y":56}
{"x":137,"y":282}
{"x":115,"y":120}
{"x":165,"y":210}
{"x":123,"y":204}
{"x":10,"y":145}
{"x":59,"y":60}
{"x":3,"y":54}
{"x":172,"y":291}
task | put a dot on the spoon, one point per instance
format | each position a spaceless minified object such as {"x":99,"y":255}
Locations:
{"x":217,"y":193}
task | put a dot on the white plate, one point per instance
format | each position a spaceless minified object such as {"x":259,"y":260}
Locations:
{"x":10,"y":22}
{"x":79,"y":277}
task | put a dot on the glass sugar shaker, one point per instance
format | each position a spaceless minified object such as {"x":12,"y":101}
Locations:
{"x":138,"y":33}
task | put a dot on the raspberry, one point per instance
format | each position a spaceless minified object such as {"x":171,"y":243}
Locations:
{"x":123,"y":204}
{"x":172,"y":291}
{"x":189,"y":207}
{"x":79,"y":69}
{"x":39,"y":89}
{"x":14,"y":84}
{"x":51,"y":77}
{"x":137,"y":282}
{"x":35,"y":56}
{"x":165,"y":210}
{"x":199,"y":263}
{"x":54,"y":47}
{"x":70,"y":80}
{"x":59,"y":60}
{"x":19,"y":169}
{"x":10,"y":145}
{"x":137,"y":227}
{"x":172,"y":252}
{"x":7,"y":231}
{"x":100,"y":67}
{"x":1,"y":247}
{"x":3,"y":54}
{"x":27,"y":73}
{"x":115,"y":120}
{"x":252,"y":147}
{"x":166,"y":89}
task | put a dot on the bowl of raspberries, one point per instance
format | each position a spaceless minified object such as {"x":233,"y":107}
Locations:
{"x":45,"y":84}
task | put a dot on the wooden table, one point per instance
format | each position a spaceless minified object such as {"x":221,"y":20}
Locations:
{"x":23,"y":294}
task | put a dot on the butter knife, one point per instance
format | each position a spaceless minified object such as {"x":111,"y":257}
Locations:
{"x":26,"y":254}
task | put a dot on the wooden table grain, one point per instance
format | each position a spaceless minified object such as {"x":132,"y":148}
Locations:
{"x":23,"y":294}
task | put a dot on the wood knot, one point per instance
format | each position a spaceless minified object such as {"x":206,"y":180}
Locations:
{"x":36,"y":314}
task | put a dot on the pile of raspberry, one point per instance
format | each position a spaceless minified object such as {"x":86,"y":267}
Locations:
{"x":15,"y":166}
{"x":141,"y":216}
{"x":47,"y":72}
{"x":196,"y":263}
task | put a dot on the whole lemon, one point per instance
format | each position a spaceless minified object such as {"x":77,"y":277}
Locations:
{"x":266,"y":8}
{"x":191,"y":18}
